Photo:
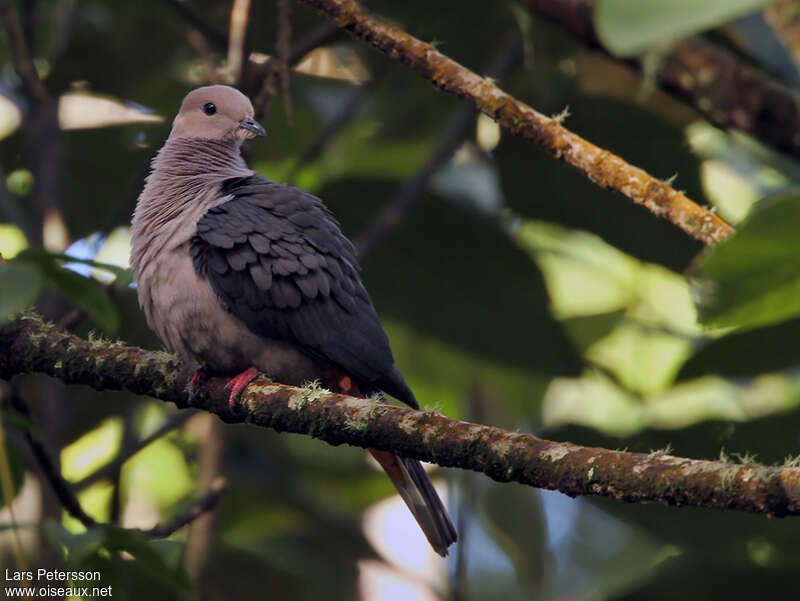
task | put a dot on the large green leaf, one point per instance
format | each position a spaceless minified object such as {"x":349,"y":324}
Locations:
{"x":85,"y":293}
{"x":628,"y":27}
{"x":20,"y":284}
{"x":753,"y":279}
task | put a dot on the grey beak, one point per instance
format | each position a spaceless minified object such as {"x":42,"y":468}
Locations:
{"x":253,"y":126}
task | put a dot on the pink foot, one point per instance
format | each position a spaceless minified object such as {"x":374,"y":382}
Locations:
{"x":197,"y":380}
{"x":237,"y":385}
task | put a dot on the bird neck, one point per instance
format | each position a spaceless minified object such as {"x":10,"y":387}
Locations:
{"x":204,"y":158}
{"x":184,"y":183}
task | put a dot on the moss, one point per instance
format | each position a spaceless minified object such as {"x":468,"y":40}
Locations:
{"x":356,"y":425}
{"x":311,"y":392}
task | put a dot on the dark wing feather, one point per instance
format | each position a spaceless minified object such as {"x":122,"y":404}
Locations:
{"x":277,"y":260}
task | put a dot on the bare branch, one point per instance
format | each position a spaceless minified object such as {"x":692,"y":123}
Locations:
{"x":406,"y":197}
{"x":601,"y":166}
{"x":240,"y":15}
{"x":193,"y":16}
{"x":69,"y":500}
{"x":21,"y":55}
{"x":126,"y":452}
{"x":27,"y":344}
{"x":62,"y":489}
{"x":196,"y":509}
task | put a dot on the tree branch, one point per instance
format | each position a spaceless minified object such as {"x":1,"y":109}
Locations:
{"x":601,"y":166}
{"x":726,"y":91}
{"x":21,"y":55}
{"x":214,"y":34}
{"x":204,"y":504}
{"x":451,"y":137}
{"x":27,"y":344}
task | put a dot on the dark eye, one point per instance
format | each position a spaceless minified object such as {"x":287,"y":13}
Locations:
{"x":209,"y":108}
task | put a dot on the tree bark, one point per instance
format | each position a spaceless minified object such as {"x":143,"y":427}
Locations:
{"x":27,"y":344}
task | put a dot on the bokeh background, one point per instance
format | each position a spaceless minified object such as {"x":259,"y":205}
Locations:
{"x":515,"y":292}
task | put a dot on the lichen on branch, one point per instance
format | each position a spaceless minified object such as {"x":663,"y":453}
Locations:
{"x":28,"y":345}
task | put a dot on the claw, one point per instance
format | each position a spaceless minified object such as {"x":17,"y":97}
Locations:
{"x":237,"y":385}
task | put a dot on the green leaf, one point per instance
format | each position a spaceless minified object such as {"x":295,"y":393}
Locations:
{"x":85,"y":293}
{"x":150,"y":555}
{"x":627,"y":27}
{"x":16,"y":475}
{"x":20,"y":284}
{"x":753,"y":279}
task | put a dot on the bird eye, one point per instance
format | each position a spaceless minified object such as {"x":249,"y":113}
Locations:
{"x":209,"y":108}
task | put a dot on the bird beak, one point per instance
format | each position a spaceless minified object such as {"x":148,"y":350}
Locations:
{"x":253,"y":126}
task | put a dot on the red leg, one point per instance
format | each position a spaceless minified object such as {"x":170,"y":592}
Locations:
{"x":197,"y":380}
{"x":238,"y":383}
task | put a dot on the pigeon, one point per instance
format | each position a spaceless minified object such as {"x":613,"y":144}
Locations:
{"x":239,"y":275}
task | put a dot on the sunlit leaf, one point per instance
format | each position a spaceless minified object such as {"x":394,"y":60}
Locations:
{"x":593,"y":401}
{"x":645,"y":360}
{"x":92,"y":450}
{"x":12,"y":240}
{"x":157,"y":475}
{"x":20,"y":182}
{"x":753,"y":279}
{"x":10,"y":116}
{"x":628,"y":27}
{"x":81,"y":110}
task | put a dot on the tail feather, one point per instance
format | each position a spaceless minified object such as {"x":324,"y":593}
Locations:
{"x":407,"y":475}
{"x":417,"y":491}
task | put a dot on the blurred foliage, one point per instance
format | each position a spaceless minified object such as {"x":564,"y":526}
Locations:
{"x":629,"y":27}
{"x":577,"y":315}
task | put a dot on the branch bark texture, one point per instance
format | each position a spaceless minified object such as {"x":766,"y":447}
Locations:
{"x":601,"y":166}
{"x":27,"y":345}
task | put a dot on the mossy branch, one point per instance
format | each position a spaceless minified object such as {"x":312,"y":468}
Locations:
{"x":28,"y":345}
{"x":601,"y":166}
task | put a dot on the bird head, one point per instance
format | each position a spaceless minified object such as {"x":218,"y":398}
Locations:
{"x":218,"y":113}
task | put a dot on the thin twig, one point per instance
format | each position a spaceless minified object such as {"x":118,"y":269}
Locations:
{"x":192,"y":15}
{"x":210,"y":462}
{"x":396,"y":209}
{"x":62,"y":489}
{"x":27,"y":344}
{"x":128,"y":439}
{"x":264,"y":74}
{"x":107,"y":471}
{"x":69,"y":500}
{"x":240,"y":14}
{"x":21,"y":54}
{"x":282,"y":48}
{"x":349,"y":110}
{"x":602,"y":167}
{"x":198,"y":508}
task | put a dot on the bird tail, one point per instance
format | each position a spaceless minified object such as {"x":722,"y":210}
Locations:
{"x":417,"y":491}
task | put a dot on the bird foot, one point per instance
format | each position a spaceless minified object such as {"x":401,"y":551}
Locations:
{"x":195,"y":382}
{"x":237,"y":384}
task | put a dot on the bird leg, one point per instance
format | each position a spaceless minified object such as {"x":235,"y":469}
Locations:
{"x":197,"y":380}
{"x":237,"y":384}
